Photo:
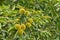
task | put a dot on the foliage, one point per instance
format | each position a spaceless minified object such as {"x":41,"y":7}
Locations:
{"x":29,"y":19}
